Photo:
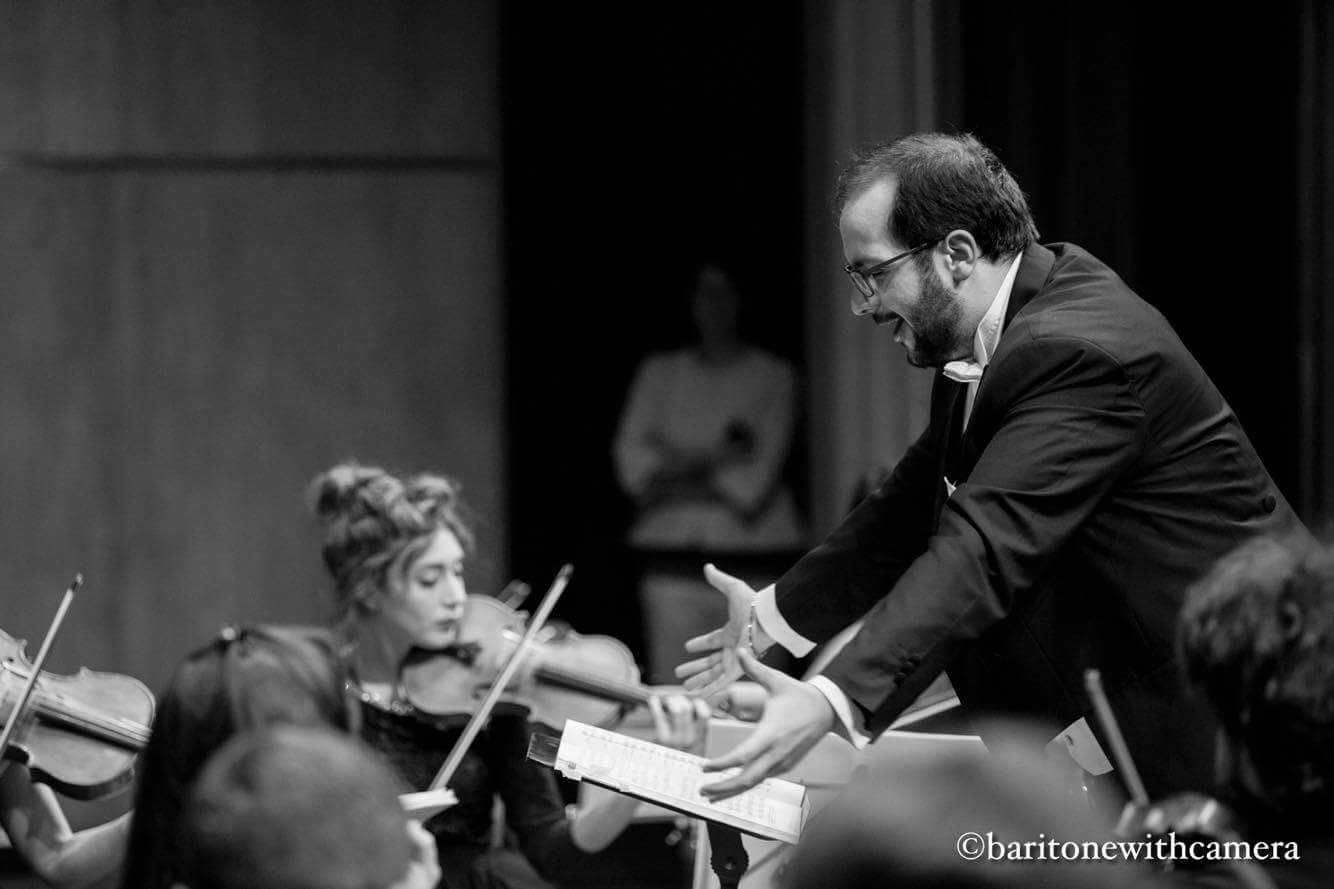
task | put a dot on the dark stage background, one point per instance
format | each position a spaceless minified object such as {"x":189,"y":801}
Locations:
{"x":636,"y":146}
{"x":1162,"y":141}
{"x":1166,"y":143}
{"x":241,"y":240}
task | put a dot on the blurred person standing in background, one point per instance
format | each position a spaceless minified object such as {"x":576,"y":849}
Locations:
{"x":700,"y":449}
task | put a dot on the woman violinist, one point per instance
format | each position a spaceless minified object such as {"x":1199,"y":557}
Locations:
{"x":395,"y":548}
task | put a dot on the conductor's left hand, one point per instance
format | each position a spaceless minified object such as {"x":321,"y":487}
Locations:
{"x":711,"y":674}
{"x":796,"y":715}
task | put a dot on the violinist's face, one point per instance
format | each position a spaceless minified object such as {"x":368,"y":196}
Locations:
{"x":426,"y":604}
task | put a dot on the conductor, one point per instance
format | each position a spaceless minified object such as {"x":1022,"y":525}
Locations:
{"x":1078,"y":472}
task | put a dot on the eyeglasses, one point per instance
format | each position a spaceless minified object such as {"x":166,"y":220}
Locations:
{"x":864,"y":279}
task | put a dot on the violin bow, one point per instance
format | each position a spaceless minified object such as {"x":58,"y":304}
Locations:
{"x":1248,"y":873}
{"x":502,"y":681}
{"x":1120,"y":752}
{"x":12,"y":722}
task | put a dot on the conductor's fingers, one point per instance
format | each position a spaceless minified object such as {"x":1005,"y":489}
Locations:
{"x":764,"y":674}
{"x":699,"y":665}
{"x":759,"y":742}
{"x":724,"y":582}
{"x":710,"y":641}
{"x":707,"y":684}
{"x":742,"y":781}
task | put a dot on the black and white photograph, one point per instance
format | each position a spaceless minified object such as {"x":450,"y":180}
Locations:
{"x":814,"y":444}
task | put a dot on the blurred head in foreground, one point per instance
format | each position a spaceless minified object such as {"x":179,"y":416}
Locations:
{"x":247,"y":678}
{"x":947,"y":818}
{"x":297,"y":808}
{"x":1257,"y":638}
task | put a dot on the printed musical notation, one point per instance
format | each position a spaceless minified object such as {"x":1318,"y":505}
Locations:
{"x":774,"y":809}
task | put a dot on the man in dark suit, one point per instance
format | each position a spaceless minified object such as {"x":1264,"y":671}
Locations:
{"x":1078,"y":472}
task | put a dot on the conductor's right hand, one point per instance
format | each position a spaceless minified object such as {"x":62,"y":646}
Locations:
{"x":711,"y":674}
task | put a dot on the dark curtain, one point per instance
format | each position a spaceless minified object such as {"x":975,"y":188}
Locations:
{"x":636,"y":145}
{"x":1315,"y":231}
{"x":1164,"y":140}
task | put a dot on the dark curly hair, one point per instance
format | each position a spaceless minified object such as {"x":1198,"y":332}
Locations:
{"x":945,"y":182}
{"x":1257,"y":637}
{"x":376,"y":523}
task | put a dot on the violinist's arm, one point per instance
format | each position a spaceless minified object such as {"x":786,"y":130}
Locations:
{"x":40,"y":833}
{"x":679,"y":722}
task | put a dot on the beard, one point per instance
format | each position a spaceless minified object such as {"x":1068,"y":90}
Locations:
{"x":936,"y":325}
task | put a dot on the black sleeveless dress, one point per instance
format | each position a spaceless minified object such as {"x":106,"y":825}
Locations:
{"x":537,"y":847}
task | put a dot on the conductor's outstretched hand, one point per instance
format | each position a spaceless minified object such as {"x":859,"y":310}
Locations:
{"x":796,"y":716}
{"x":709,"y":675}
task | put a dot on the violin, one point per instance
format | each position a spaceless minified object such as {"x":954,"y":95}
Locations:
{"x":564,"y":675}
{"x":79,"y":734}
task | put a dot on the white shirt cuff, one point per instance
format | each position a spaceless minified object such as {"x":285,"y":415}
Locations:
{"x":779,"y":630}
{"x":848,"y":715}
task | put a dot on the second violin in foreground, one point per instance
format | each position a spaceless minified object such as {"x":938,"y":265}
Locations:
{"x":78,"y":734}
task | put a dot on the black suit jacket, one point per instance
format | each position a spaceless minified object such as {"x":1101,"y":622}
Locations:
{"x":1100,"y":474}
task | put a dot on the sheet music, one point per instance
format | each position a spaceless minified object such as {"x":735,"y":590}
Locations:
{"x":774,"y":808}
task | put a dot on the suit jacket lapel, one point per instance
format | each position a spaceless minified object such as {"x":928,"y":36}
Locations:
{"x":1034,"y":270}
{"x":950,"y":418}
{"x":954,"y":431}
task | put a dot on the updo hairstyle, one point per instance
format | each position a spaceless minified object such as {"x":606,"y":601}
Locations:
{"x":376,"y":523}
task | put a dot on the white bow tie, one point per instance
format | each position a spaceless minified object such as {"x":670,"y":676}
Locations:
{"x":963,"y":371}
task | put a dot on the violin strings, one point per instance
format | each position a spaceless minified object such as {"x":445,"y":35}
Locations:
{"x":117,"y":728}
